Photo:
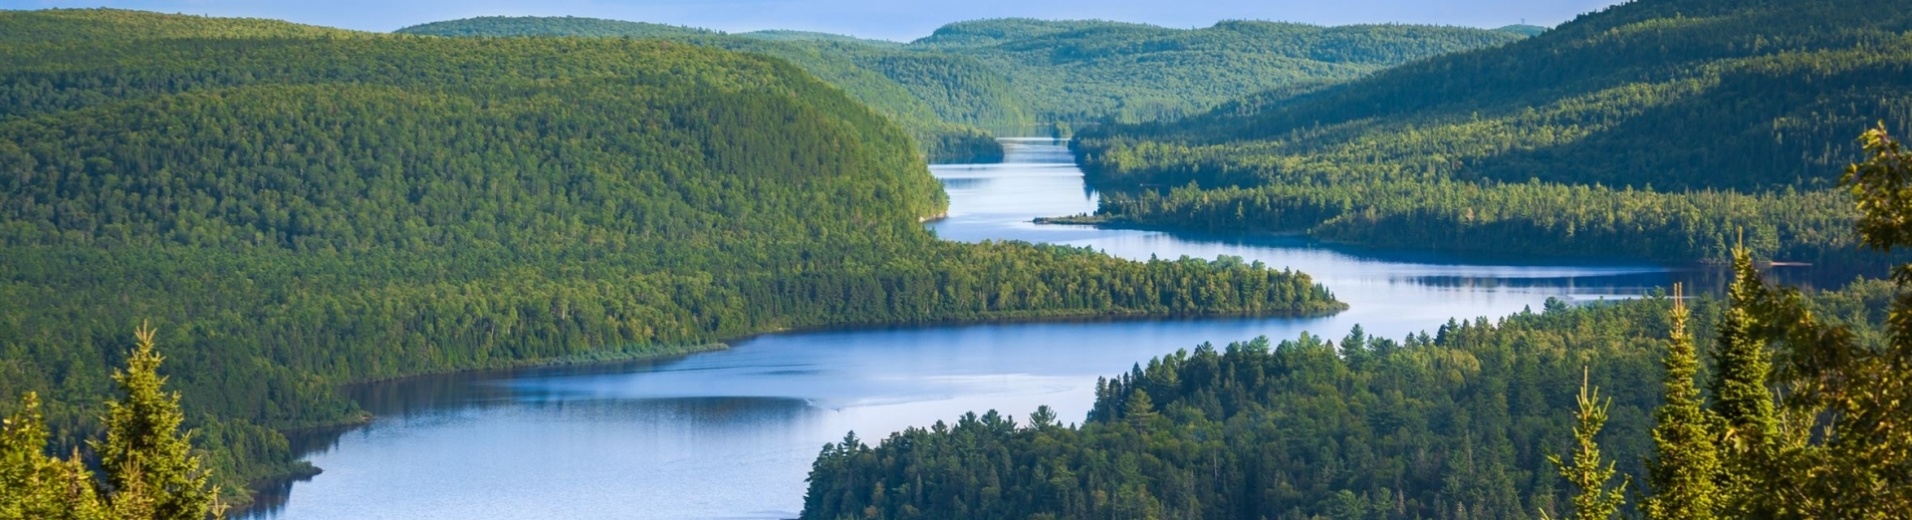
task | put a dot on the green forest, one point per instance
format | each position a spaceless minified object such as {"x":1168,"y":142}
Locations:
{"x":970,"y":81}
{"x":1655,"y":129}
{"x":276,"y":211}
{"x":296,"y":208}
{"x":1801,"y":411}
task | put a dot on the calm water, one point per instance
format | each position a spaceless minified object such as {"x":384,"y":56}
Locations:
{"x":731,"y":434}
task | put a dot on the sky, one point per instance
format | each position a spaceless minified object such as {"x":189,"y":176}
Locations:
{"x":900,"y":20}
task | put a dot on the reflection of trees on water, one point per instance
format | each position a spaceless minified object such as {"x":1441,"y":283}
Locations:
{"x":440,"y":397}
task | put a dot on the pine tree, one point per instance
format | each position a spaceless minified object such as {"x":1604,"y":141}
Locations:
{"x":1588,"y":473}
{"x":34,"y":486}
{"x":148,"y":462}
{"x":1741,"y":398}
{"x":1686,"y":461}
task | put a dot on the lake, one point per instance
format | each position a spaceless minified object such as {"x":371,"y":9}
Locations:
{"x":731,"y":434}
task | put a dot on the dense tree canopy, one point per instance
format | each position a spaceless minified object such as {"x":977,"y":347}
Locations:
{"x":1804,"y":415}
{"x":1458,"y":424}
{"x":298,"y":208}
{"x":1654,"y":129}
{"x":1016,"y":76}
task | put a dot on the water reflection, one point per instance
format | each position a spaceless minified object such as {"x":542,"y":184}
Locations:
{"x":731,"y":434}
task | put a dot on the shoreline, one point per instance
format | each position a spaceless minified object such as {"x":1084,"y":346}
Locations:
{"x":266,"y":485}
{"x":1101,"y":222}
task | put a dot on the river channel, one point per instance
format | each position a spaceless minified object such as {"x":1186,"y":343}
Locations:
{"x":731,"y":434}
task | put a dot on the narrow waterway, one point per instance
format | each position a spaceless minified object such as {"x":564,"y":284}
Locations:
{"x":731,"y":434}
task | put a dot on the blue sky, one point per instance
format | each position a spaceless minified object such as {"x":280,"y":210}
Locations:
{"x":887,"y":19}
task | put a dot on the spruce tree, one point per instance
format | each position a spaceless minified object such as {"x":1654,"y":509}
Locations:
{"x":151,"y":471}
{"x":1588,"y":473}
{"x":1740,"y":395}
{"x":35,"y":486}
{"x":1686,"y":461}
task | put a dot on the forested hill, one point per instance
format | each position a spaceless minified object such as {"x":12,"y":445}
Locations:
{"x":1083,"y":71}
{"x":917,"y":102}
{"x":295,"y":208}
{"x":1453,"y":425}
{"x":1020,"y":75}
{"x":1770,"y":402}
{"x":1458,"y":424}
{"x":1737,"y":114}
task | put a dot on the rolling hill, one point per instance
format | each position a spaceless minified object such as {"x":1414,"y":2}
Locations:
{"x":1655,"y":129}
{"x":1018,"y":76}
{"x":296,"y":208}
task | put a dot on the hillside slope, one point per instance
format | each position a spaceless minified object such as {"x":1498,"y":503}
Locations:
{"x":838,"y":61}
{"x":1016,"y":76}
{"x":297,"y":208}
{"x":1652,"y":129}
{"x":1084,"y":71}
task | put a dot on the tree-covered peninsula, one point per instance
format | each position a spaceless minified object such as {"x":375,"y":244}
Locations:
{"x":295,"y":208}
{"x":1766,"y":403}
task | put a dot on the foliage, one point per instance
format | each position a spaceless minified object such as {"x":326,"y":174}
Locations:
{"x":146,"y":459}
{"x":35,"y":486}
{"x":1457,"y":424}
{"x":1847,"y":448}
{"x":151,"y":472}
{"x":1588,"y":472}
{"x":1807,"y":417}
{"x":1655,"y":129}
{"x":1085,"y":71}
{"x":304,"y":209}
{"x":1017,"y":76}
{"x":1686,"y":459}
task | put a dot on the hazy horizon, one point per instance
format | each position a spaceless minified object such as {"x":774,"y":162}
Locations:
{"x":901,"y":21}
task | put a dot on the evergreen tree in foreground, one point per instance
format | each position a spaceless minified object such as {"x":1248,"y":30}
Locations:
{"x":1854,"y":397}
{"x":1588,"y":472}
{"x":148,"y":462}
{"x":1686,"y":463}
{"x":1741,"y":396}
{"x":35,"y":486}
{"x":151,"y":473}
{"x":1839,"y":445}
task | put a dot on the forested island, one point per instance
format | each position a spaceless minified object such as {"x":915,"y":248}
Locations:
{"x":295,"y":208}
{"x":967,"y":81}
{"x":1656,"y":129}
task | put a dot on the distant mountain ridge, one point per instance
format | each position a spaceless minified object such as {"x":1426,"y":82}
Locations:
{"x":1524,"y":29}
{"x":1026,"y":75}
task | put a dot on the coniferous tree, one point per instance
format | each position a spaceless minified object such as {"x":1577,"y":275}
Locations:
{"x":1588,"y":472}
{"x":1686,"y":461}
{"x":1140,"y":409}
{"x":151,"y":471}
{"x":35,"y":486}
{"x":1857,"y":462}
{"x":1741,"y":397}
